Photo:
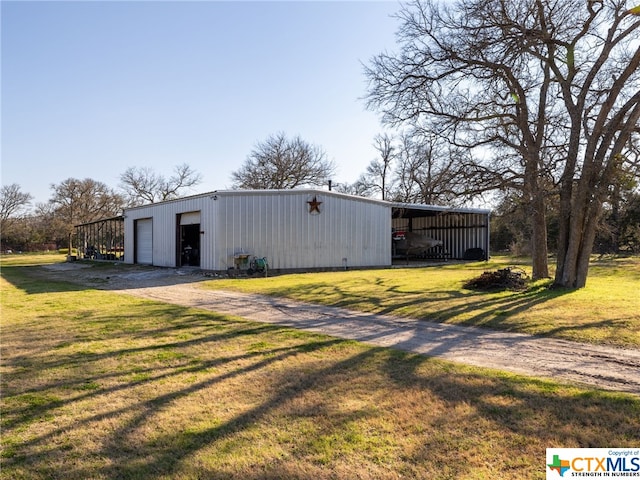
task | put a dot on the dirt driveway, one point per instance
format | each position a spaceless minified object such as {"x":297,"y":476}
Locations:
{"x":600,"y":366}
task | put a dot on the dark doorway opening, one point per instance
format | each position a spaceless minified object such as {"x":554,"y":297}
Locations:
{"x":190,"y":245}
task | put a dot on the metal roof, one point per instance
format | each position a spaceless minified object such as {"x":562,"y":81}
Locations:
{"x":406,"y":210}
{"x":410,"y":210}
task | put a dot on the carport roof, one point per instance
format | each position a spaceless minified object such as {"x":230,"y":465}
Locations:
{"x":412,"y":210}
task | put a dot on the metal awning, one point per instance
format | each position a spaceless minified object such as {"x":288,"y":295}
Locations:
{"x":412,"y":210}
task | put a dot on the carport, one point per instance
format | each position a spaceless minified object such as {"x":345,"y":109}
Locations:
{"x":101,"y":240}
{"x":463,"y":232}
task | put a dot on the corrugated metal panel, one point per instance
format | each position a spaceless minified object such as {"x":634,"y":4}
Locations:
{"x":278,"y":225}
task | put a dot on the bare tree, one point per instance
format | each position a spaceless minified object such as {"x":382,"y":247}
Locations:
{"x":77,"y":201}
{"x":283,"y":163}
{"x":428,"y":171}
{"x":358,"y":188}
{"x":377,"y":177}
{"x":549,"y":87}
{"x":143,"y":185}
{"x":13,"y":203}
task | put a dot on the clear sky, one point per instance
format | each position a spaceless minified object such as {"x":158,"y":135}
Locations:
{"x":92,"y":88}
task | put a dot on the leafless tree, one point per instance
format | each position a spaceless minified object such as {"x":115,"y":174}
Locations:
{"x":358,"y":188}
{"x":283,"y":163}
{"x":13,"y":202}
{"x":143,"y":185}
{"x":377,"y":178}
{"x":77,"y":201}
{"x":428,"y":171}
{"x":551,"y":88}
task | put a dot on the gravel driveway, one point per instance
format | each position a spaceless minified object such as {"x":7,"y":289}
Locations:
{"x":600,"y":366}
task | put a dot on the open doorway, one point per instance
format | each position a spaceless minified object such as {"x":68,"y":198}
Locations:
{"x":189,"y":240}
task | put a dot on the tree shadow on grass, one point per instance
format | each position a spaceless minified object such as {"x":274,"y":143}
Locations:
{"x":81,"y":365}
{"x":449,"y":410}
{"x":78,"y":276}
{"x":473,"y":384}
{"x":483,"y":309}
{"x":37,"y":404}
{"x":494,"y":310}
{"x":430,"y":415}
{"x":29,"y":279}
{"x":529,"y":414}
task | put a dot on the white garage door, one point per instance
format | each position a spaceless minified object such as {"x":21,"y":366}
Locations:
{"x":189,"y":218}
{"x":144,"y":241}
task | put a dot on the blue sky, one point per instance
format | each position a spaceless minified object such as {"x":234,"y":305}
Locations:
{"x":91,"y":88}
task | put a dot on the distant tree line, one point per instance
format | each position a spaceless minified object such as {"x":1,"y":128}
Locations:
{"x":618,"y":230}
{"x":75,"y":201}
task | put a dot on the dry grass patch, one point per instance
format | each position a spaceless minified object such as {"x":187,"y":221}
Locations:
{"x":100,"y":385}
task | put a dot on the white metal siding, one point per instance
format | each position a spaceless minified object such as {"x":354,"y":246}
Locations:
{"x":278,"y":225}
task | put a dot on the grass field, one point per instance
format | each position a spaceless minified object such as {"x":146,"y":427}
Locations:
{"x":99,"y":385}
{"x":606,"y":311}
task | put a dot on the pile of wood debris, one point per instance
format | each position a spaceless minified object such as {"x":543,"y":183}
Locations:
{"x":509,"y":278}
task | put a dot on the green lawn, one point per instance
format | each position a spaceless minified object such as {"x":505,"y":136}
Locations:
{"x":606,"y":311}
{"x":101,"y":385}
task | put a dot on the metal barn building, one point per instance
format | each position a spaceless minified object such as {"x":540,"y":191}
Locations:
{"x":292,"y":229}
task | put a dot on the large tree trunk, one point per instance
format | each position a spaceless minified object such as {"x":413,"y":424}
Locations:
{"x":537,"y":211}
{"x":539,"y":250}
{"x":573,"y":270}
{"x":579,"y":221}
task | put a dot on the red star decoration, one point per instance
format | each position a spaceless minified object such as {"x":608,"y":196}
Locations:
{"x":314,"y":205}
